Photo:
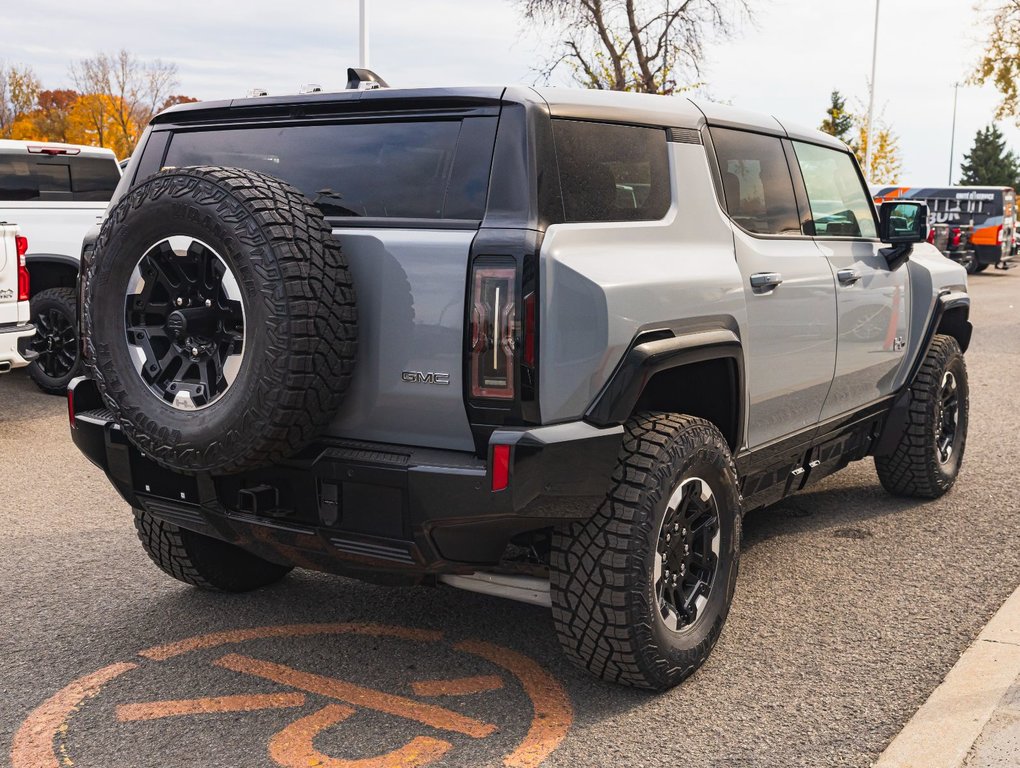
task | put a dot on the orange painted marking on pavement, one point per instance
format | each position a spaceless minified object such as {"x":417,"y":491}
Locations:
{"x":33,"y":743}
{"x":553,"y":713}
{"x":460,"y":687}
{"x":169,"y":651}
{"x":154,"y":710}
{"x":427,"y":714}
{"x":293,"y":747}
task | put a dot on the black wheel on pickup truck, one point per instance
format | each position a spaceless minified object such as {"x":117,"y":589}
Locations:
{"x":54,"y":314}
{"x":202,"y":561}
{"x":640,"y":591}
{"x":926,"y":461}
{"x":220,"y":316}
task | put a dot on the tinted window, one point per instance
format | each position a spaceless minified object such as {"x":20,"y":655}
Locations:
{"x":93,"y":179}
{"x":756,"y":182}
{"x":612,"y":172}
{"x":840,"y":206}
{"x":31,"y":177}
{"x":399,"y":169}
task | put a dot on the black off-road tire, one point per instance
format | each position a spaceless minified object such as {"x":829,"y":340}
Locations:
{"x":300,"y":334}
{"x":606,"y":611}
{"x":915,"y":467}
{"x":981,"y":268}
{"x":202,"y":561}
{"x":55,"y":311}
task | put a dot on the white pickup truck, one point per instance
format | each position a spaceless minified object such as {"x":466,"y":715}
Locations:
{"x":55,"y":193}
{"x":15,"y":329}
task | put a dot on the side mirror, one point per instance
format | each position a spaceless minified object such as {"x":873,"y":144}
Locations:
{"x":903,"y":222}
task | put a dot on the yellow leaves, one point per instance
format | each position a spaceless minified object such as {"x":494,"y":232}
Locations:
{"x":886,"y":164}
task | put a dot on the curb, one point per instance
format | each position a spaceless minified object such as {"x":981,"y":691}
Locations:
{"x":943,"y":731}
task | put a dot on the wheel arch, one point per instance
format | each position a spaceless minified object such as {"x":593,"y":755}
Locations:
{"x":698,"y":373}
{"x":51,"y":270}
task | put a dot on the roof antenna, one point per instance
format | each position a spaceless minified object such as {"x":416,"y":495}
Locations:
{"x":364,"y":80}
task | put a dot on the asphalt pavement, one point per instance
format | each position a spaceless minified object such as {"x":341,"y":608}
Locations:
{"x":851,"y":607}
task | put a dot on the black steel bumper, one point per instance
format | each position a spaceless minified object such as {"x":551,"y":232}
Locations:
{"x":366,"y":508}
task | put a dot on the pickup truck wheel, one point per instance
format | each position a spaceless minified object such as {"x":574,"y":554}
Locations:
{"x":927,"y":459}
{"x":202,"y":561}
{"x":220,"y":318}
{"x":54,"y":314}
{"x":640,"y":591}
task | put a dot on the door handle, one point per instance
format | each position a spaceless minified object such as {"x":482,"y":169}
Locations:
{"x":765,"y":281}
{"x":848,"y":276}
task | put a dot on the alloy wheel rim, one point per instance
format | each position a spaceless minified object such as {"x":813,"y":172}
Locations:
{"x":56,"y":343}
{"x":687,"y":554}
{"x":185,"y":322}
{"x":948,"y":418}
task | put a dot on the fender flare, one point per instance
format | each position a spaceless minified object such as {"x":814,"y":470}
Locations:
{"x":652,"y":352}
{"x":63,"y":260}
{"x":896,"y":421}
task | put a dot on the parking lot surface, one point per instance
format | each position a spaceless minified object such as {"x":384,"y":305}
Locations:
{"x":851,"y":606}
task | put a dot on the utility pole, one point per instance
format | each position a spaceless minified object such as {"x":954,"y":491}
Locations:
{"x":871,"y":101}
{"x":363,"y":34}
{"x":952,"y":141}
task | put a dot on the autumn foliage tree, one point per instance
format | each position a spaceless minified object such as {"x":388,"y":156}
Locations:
{"x":649,"y":46}
{"x":852,"y":129}
{"x":1000,"y":63}
{"x":114,"y":98}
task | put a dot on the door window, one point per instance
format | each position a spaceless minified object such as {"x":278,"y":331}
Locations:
{"x":839,"y":202}
{"x":756,"y":182}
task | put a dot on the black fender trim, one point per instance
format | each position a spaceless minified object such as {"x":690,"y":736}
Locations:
{"x":653,"y":352}
{"x":73,"y":262}
{"x":896,"y":421}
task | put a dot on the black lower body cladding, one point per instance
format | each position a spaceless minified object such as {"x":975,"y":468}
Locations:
{"x":219,"y":318}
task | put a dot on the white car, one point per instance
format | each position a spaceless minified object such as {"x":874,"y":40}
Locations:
{"x":55,"y":193}
{"x":15,"y":329}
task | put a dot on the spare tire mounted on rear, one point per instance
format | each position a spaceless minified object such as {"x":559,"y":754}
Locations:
{"x":220,"y":319}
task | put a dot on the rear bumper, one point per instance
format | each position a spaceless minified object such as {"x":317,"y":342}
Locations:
{"x":365,"y":508}
{"x":14,"y":346}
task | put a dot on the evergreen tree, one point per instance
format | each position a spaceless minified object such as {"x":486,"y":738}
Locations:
{"x":989,"y":163}
{"x":838,"y":121}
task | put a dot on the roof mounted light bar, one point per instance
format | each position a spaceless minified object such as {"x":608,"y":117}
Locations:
{"x":364,"y":80}
{"x":255,"y":93}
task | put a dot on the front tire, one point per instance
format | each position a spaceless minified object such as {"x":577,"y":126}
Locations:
{"x":640,"y":591}
{"x":203,"y":561}
{"x":54,"y":314}
{"x":926,"y":462}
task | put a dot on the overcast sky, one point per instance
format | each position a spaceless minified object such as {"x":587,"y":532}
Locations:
{"x":786,"y":63}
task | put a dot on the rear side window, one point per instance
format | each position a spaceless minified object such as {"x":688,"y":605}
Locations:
{"x":418,"y":170}
{"x":840,"y":206}
{"x":67,"y":178}
{"x":756,"y":182}
{"x":612,"y":172}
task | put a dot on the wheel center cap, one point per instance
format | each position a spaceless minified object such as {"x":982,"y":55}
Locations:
{"x":177,"y":325}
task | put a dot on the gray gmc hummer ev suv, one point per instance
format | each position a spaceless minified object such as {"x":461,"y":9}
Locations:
{"x":548,"y":344}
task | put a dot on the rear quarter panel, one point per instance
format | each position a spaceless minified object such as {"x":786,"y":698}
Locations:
{"x":602,"y":284}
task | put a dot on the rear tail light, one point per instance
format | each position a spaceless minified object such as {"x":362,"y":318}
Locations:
{"x":931,"y":235}
{"x":70,"y":408}
{"x":530,"y":330}
{"x":998,"y":235}
{"x":956,"y":237}
{"x":493,"y":331}
{"x":21,"y":244}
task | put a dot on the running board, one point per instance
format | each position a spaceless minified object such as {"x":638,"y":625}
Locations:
{"x":523,"y":589}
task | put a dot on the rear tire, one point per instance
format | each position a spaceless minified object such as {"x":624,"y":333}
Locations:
{"x":981,"y":267}
{"x":627,"y":604}
{"x":926,"y":462}
{"x":202,"y":561}
{"x":55,"y":316}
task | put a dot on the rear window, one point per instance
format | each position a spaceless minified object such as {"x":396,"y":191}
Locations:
{"x":417,"y":170}
{"x":67,"y":178}
{"x":612,"y":172}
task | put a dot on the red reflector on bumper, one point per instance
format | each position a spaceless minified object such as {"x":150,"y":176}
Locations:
{"x":500,"y":467}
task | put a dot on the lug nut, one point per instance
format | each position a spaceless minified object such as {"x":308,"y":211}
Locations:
{"x":668,"y":537}
{"x":180,"y":301}
{"x":194,"y":351}
{"x":208,"y":302}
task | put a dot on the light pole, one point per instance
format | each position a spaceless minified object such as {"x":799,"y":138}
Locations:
{"x":363,"y":34}
{"x":952,"y":140}
{"x":871,"y":100}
